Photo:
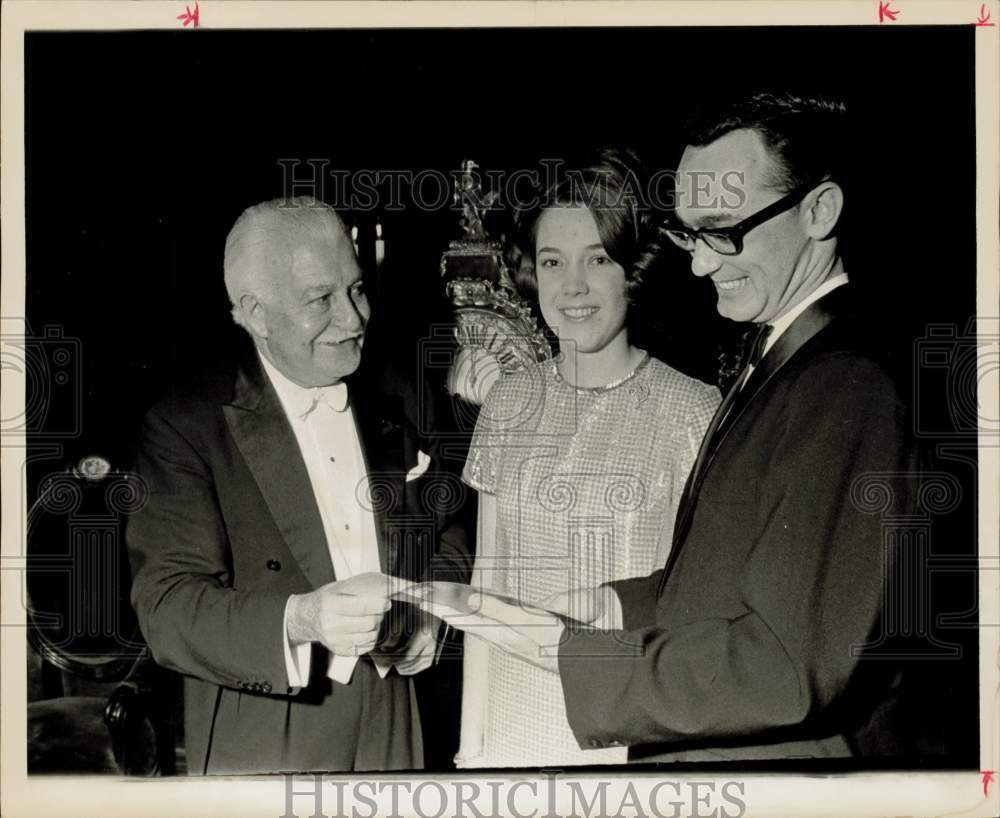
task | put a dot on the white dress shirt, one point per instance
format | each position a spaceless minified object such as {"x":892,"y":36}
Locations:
{"x":782,"y":323}
{"x":328,"y":441}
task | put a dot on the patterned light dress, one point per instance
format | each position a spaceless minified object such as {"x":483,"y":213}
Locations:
{"x":587,"y":483}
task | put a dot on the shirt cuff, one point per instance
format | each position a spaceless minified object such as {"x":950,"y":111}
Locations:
{"x":298,"y":657}
{"x":341,"y":668}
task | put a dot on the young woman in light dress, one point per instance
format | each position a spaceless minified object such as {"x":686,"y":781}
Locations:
{"x":579,"y":462}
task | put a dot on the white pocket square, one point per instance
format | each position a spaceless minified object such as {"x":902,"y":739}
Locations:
{"x":423,"y":461}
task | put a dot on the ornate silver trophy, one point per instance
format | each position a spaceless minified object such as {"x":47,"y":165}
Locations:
{"x":494,"y":327}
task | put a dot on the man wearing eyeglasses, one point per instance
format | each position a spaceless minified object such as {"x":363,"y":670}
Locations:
{"x":763,"y":635}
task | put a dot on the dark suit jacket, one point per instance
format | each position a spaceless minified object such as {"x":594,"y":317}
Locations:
{"x":231,"y":529}
{"x":746,"y":645}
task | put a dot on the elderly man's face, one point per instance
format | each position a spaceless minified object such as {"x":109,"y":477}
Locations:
{"x":770,"y":275}
{"x":317,"y":311}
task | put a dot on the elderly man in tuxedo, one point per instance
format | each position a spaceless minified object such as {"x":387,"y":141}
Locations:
{"x":286,"y":496}
{"x":753,"y":641}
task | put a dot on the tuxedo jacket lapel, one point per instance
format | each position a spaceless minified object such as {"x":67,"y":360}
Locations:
{"x":813,"y":319}
{"x":380,"y":431}
{"x":268,"y":445}
{"x":698,"y":469}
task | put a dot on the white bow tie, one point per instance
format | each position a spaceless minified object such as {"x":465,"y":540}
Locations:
{"x":334,"y":396}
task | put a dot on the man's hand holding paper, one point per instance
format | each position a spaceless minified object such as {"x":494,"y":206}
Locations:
{"x":597,"y":606}
{"x":530,"y":633}
{"x":344,"y":616}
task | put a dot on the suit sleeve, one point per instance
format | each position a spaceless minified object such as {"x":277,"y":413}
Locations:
{"x":812,"y":587}
{"x":193,"y":620}
{"x":638,"y":599}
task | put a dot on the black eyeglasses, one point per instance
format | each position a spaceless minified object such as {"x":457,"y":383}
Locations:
{"x":728,"y":241}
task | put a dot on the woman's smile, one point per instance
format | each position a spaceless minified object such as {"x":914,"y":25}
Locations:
{"x":578,"y":314}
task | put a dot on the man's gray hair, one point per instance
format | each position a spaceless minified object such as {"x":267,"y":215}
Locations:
{"x":261,"y":243}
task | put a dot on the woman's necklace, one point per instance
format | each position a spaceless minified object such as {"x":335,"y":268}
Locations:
{"x":607,"y":387}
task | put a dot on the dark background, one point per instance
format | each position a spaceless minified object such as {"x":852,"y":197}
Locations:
{"x":143,"y":147}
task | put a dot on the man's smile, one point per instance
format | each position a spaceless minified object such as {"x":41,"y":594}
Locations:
{"x":356,"y":337}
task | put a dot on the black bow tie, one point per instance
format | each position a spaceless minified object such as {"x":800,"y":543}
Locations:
{"x":758,"y":344}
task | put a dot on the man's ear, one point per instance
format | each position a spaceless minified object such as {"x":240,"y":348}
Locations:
{"x":254,"y":315}
{"x":824,"y":212}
